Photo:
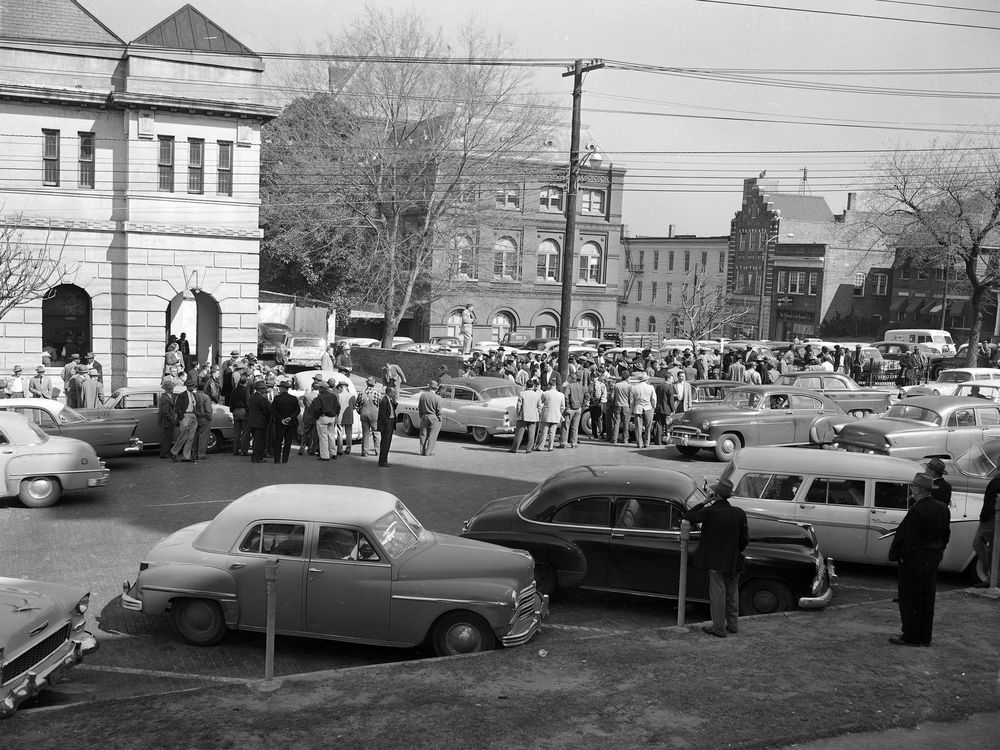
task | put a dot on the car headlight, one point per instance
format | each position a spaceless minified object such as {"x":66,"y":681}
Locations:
{"x":705,"y":425}
{"x":82,"y":605}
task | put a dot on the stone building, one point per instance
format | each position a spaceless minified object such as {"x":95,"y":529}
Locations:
{"x":140,"y":160}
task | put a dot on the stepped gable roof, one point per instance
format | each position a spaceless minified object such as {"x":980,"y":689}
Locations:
{"x":53,"y":20}
{"x":190,"y":29}
{"x":801,"y":207}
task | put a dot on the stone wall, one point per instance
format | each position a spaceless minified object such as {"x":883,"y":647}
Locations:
{"x":419,"y":367}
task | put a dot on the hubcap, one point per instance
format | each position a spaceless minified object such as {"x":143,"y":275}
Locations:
{"x":464,"y":639}
{"x":764,"y":602}
{"x":40,"y":488}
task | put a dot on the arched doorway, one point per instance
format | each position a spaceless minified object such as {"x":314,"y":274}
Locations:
{"x":589,"y":326}
{"x":66,"y":323}
{"x":502,"y":323}
{"x":546,"y":325}
{"x":196,"y":314}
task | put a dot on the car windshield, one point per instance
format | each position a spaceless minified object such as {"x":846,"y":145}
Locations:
{"x":69,"y":416}
{"x":500,"y":391}
{"x":954,"y":376}
{"x":980,"y":461}
{"x":397,"y":530}
{"x":307,"y":342}
{"x":916,"y":413}
{"x":742,"y":399}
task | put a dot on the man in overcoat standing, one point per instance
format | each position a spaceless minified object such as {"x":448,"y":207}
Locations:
{"x":386,"y":423}
{"x":285,"y":415}
{"x":724,"y":536}
{"x":259,"y":417}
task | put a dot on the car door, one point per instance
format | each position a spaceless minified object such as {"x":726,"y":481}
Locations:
{"x":889,"y":503}
{"x":837,"y":509}
{"x":348,"y":585}
{"x":585,"y":523}
{"x":775,"y":420}
{"x":260,"y":542}
{"x":462,"y":396}
{"x":143,"y":406}
{"x":962,"y":430}
{"x":447,"y":396}
{"x":988,"y":419}
{"x":644,"y":555}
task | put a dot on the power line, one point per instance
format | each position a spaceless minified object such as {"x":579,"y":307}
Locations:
{"x":936,"y":6}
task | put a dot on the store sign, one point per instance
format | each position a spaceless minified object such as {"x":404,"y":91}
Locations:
{"x":802,"y":317}
{"x":783,"y":301}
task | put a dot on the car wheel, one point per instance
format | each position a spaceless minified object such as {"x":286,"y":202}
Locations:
{"x":727,"y":446}
{"x":462,"y":633}
{"x":199,"y":621}
{"x":481,"y":435}
{"x":409,"y":428}
{"x":545,"y":579}
{"x":39,"y":492}
{"x":214,"y":441}
{"x":585,"y":423}
{"x":980,"y":571}
{"x":763,"y":596}
{"x":687,"y":450}
{"x":860,"y":413}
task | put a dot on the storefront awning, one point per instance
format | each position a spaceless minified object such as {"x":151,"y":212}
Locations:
{"x":934,"y":308}
{"x":913,"y":306}
{"x":957,"y":309}
{"x":898,"y":303}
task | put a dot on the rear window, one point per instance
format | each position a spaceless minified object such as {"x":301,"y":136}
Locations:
{"x":307,"y":342}
{"x":910,"y":411}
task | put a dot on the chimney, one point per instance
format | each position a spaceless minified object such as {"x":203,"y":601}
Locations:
{"x":851,"y":200}
{"x":670,"y":230}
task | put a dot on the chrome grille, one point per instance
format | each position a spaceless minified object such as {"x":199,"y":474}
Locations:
{"x":34,"y":655}
{"x":678,"y":431}
{"x":524,"y":606}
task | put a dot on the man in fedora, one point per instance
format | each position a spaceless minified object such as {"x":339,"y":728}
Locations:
{"x":429,"y":410}
{"x":258,"y":417}
{"x":40,"y":386}
{"x":942,"y":488}
{"x":285,"y":415}
{"x":15,"y":384}
{"x":186,"y":421}
{"x":724,"y":536}
{"x":917,"y":548}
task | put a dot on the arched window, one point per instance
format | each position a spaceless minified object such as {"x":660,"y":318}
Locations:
{"x":454,"y":322}
{"x":66,"y":323}
{"x":589,"y":327}
{"x":546,"y":325}
{"x":463,"y":257}
{"x":590,"y":263}
{"x":551,"y":198}
{"x":502,"y":322}
{"x":652,"y":324}
{"x":637,"y":325}
{"x":548,"y":261}
{"x":505,"y":260}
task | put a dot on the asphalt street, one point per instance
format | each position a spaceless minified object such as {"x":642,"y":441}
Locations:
{"x":96,"y":539}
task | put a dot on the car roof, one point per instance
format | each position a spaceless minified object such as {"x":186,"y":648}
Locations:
{"x":16,"y":426}
{"x":350,"y":506}
{"x":937,"y":403}
{"x":618,"y":480}
{"x":479,"y":383}
{"x":48,"y":402}
{"x":971,"y":370}
{"x":825,"y":462}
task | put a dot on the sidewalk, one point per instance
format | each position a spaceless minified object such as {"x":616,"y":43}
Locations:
{"x":803,"y":677}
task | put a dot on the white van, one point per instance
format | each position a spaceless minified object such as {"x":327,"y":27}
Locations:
{"x":936,"y":339}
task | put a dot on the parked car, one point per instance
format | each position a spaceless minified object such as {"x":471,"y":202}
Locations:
{"x":618,"y":528}
{"x":539,"y":344}
{"x":360,"y":342}
{"x":111,"y":438}
{"x":515,"y":339}
{"x":894,"y":350}
{"x":453,"y":343}
{"x":269,"y":336}
{"x":425,"y":347}
{"x":37,"y":467}
{"x":922,"y":427}
{"x":42,"y":635}
{"x":947,"y":381}
{"x":299,"y":348}
{"x":354,"y":565}
{"x":142,"y":404}
{"x":750,"y":415}
{"x":602,"y":345}
{"x":852,"y":501}
{"x":989,"y":389}
{"x":302,"y":381}
{"x":481,"y":406}
{"x":840,"y":389}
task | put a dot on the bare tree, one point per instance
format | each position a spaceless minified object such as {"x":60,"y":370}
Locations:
{"x":941,"y":207}
{"x":705,"y":308}
{"x":28,"y":271}
{"x":411,"y":164}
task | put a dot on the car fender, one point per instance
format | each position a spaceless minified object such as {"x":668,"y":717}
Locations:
{"x":824,"y":430}
{"x":161,"y":584}
{"x":416,"y":605}
{"x":51,"y":463}
{"x":565,"y":559}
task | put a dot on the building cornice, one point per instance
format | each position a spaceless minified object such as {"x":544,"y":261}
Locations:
{"x":47,"y":94}
{"x":200,"y":106}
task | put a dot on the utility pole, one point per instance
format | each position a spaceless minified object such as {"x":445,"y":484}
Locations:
{"x":569,"y":241}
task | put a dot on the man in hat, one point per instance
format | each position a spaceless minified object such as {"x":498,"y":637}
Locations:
{"x":165,"y":416}
{"x":186,"y":421}
{"x":285,"y":415}
{"x":386,"y":424}
{"x":90,"y":361}
{"x":918,"y":547}
{"x":203,"y":413}
{"x":258,"y":417}
{"x":724,"y":536}
{"x":368,"y":401}
{"x":308,"y":442}
{"x":40,"y":386}
{"x":91,"y":394}
{"x":74,"y":388}
{"x":348,"y":405}
{"x":575,"y":395}
{"x":642,"y":402}
{"x":227,"y":375}
{"x":942,"y":488}
{"x":69,"y":370}
{"x":15,"y":384}
{"x":239,"y":405}
{"x":429,"y":410}
{"x":326,"y":411}
{"x":344,"y":361}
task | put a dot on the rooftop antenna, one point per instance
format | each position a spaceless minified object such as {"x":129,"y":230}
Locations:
{"x":804,"y":184}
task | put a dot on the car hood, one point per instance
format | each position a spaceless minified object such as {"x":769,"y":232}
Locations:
{"x":697,"y":414}
{"x":455,"y":557}
{"x":28,"y":605}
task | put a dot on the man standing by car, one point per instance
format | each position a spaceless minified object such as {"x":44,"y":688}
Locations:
{"x":239,"y":402}
{"x":40,"y":386}
{"x":326,"y":409}
{"x":285,"y":415}
{"x":187,"y":423}
{"x":527,"y":416}
{"x":258,"y":417}
{"x":203,"y":413}
{"x":918,"y":547}
{"x":468,"y":321}
{"x":724,"y":536}
{"x":942,"y":488}
{"x":386,"y":424}
{"x":429,"y":411}
{"x":643,"y":402}
{"x":368,"y":402}
{"x":165,"y":416}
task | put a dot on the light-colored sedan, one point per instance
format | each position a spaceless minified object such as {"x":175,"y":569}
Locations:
{"x":354,"y":565}
{"x":482,"y":407}
{"x":109,"y":437}
{"x":37,"y":467}
{"x":42,"y":635}
{"x":948,"y":380}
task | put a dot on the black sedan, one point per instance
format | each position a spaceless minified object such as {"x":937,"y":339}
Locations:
{"x":618,"y":528}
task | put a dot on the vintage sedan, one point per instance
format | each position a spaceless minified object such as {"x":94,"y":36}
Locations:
{"x":109,"y":437}
{"x":750,"y":415}
{"x":947,"y":381}
{"x":922,"y":427}
{"x":42,"y":635}
{"x":269,"y":336}
{"x":37,"y":467}
{"x":853,"y":501}
{"x":142,"y":404}
{"x":483,"y":407}
{"x":354,"y":565}
{"x":988,"y":389}
{"x":840,"y":389}
{"x":893,"y":351}
{"x":618,"y":528}
{"x":298,"y":348}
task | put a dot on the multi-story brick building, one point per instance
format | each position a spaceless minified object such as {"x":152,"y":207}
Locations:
{"x":143,"y":157}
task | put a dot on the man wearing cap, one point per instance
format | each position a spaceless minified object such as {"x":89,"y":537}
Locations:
{"x":348,"y":405}
{"x":285,"y":415}
{"x":368,"y":401}
{"x":918,"y":547}
{"x":15,"y":384}
{"x":429,"y":410}
{"x":724,"y":536}
{"x":258,"y":417}
{"x":40,"y":385}
{"x":186,"y":421}
{"x":386,"y":424}
{"x":942,"y":487}
{"x":91,"y":394}
{"x":642,"y":403}
{"x":326,"y":410}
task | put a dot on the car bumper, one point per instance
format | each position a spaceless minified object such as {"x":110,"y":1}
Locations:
{"x":48,"y":672}
{"x":130,"y":600}
{"x":819,"y":602}
{"x":101,"y":479}
{"x":525,"y":626}
{"x":695,"y":441}
{"x":134,"y":447}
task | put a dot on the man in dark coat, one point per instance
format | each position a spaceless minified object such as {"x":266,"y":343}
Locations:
{"x":185,"y":439}
{"x":165,"y":416}
{"x":918,"y":547}
{"x":258,"y":417}
{"x":942,"y":487}
{"x":239,"y":404}
{"x":724,"y":536}
{"x":285,"y":415}
{"x":386,"y":423}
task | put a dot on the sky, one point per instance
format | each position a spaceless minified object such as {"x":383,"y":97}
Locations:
{"x":687,"y":138}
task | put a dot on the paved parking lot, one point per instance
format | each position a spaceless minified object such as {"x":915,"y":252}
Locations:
{"x":97,"y":539}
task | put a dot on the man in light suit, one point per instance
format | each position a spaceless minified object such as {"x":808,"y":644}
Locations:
{"x":682,"y":394}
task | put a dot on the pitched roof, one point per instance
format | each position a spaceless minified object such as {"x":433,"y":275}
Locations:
{"x":801,"y":207}
{"x":190,"y":29}
{"x":53,"y":20}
